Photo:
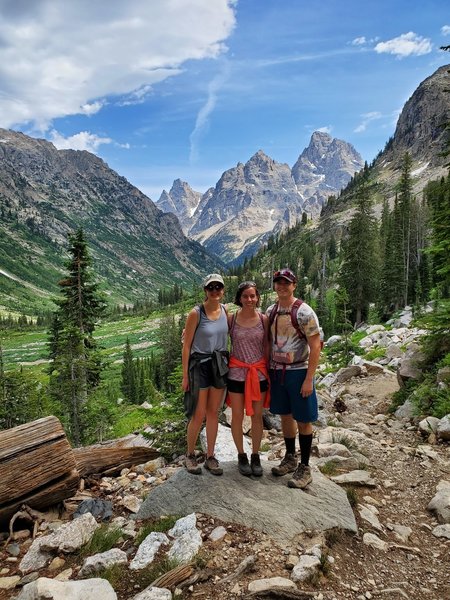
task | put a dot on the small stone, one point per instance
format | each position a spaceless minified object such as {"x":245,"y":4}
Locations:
{"x":56,"y":563}
{"x":9,"y":583}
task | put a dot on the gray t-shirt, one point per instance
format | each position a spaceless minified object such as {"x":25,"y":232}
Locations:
{"x":210,"y":335}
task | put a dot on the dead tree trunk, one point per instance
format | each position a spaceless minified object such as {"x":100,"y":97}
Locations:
{"x":37,"y":466}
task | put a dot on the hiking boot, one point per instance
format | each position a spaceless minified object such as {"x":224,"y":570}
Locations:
{"x":243,"y":466}
{"x":255,"y":464}
{"x":301,"y":478}
{"x":287,"y":465}
{"x":192,"y":465}
{"x":212,"y":465}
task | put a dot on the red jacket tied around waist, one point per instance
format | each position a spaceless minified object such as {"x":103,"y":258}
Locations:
{"x":252,"y":390}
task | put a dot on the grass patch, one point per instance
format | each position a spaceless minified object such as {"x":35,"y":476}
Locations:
{"x":325,"y":565}
{"x":114,"y":574}
{"x":352,"y":496}
{"x":329,"y":468}
{"x":345,"y":440}
{"x":375,"y":353}
{"x":104,"y":538}
{"x":332,"y":536}
{"x":161,"y":525}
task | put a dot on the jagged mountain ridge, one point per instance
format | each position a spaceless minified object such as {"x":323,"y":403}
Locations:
{"x":421,"y":131}
{"x":262,"y":197}
{"x":45,"y":193}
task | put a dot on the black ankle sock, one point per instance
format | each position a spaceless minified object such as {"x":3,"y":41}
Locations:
{"x":305,"y":447}
{"x":290,"y":445}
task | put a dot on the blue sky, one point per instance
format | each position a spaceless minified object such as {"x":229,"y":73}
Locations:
{"x":162,"y":89}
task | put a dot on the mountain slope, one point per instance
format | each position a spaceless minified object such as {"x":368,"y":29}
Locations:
{"x":46,"y":193}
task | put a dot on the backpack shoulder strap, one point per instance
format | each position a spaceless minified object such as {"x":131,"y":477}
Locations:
{"x":273,"y":313}
{"x":294,"y":320}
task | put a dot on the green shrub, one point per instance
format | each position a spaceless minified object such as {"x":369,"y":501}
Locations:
{"x":104,"y":538}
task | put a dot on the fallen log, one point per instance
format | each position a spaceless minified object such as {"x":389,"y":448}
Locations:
{"x":37,"y":466}
{"x":110,"y":460}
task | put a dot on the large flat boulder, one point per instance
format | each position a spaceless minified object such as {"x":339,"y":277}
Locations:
{"x":265,"y":504}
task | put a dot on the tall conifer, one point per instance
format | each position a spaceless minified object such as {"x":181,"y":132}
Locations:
{"x":75,"y":362}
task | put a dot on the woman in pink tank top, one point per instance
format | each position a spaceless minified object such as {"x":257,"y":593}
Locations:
{"x":248,"y":376}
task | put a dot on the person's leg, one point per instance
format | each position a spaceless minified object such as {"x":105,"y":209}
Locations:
{"x":305,"y":436}
{"x":196,"y":421}
{"x":305,"y":411}
{"x":237,"y":417}
{"x":257,"y":430}
{"x":213,"y":404}
{"x":257,"y":424}
{"x":280,"y":404}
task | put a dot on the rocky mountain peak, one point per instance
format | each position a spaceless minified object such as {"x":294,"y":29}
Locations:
{"x":182,"y":201}
{"x":324,"y":168}
{"x":421,"y":125}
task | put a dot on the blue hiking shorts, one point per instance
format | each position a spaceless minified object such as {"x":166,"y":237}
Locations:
{"x":286,"y":399}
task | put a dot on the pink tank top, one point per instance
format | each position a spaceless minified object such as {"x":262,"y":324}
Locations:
{"x":248,"y":346}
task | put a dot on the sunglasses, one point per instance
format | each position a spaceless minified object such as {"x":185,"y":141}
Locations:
{"x":214,"y":286}
{"x":246,"y":284}
{"x":284,"y":274}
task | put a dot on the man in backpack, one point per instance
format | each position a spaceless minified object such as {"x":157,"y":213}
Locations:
{"x":295,"y":352}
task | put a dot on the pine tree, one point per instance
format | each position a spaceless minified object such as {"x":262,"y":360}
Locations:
{"x":359,"y":270}
{"x":75,"y":361}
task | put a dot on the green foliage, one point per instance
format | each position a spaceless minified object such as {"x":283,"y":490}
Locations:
{"x":75,"y":360}
{"x":374,"y":353}
{"x":161,"y":525}
{"x":130,"y":419}
{"x":352,"y":496}
{"x":359,"y":269}
{"x":329,"y":468}
{"x":345,"y":440}
{"x":168,"y":420}
{"x":104,"y":538}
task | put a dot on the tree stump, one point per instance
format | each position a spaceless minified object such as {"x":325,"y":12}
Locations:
{"x":37,"y":466}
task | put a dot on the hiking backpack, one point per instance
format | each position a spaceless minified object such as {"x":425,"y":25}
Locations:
{"x":294,"y":321}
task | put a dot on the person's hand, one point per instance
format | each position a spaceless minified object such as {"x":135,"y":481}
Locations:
{"x":307,"y":387}
{"x":185,"y":383}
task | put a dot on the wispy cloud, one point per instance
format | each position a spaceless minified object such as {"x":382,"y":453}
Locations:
{"x":367,"y":118}
{"x":406,"y":44}
{"x":325,"y":129}
{"x":445,"y":30}
{"x":202,"y":120}
{"x":359,"y":41}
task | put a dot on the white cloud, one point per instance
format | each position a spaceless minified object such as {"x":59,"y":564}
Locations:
{"x":202,"y":121}
{"x":445,"y":30}
{"x":84,"y":140}
{"x":65,"y":58}
{"x":325,"y":129}
{"x":359,"y":41}
{"x":406,"y":44}
{"x":367,"y":118}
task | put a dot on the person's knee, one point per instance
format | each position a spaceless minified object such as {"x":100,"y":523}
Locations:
{"x":304,"y":428}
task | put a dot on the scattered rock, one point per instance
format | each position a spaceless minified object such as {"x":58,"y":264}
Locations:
{"x":260,"y":585}
{"x":440,"y":504}
{"x":306,"y":566}
{"x":370,"y":539}
{"x":443,"y":429}
{"x":148,"y":549}
{"x":98,"y":562}
{"x":51,"y":589}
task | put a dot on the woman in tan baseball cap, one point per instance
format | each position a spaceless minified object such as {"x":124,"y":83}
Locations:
{"x":205,"y":368}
